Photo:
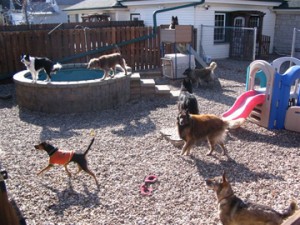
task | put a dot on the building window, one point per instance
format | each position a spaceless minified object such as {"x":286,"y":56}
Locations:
{"x":219,"y":31}
{"x":239,"y":21}
{"x":254,"y":21}
{"x":135,"y":16}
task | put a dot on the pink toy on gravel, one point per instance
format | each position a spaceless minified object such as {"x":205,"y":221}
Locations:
{"x":146,"y":188}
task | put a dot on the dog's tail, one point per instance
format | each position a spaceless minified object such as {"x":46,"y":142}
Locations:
{"x":233,"y":124}
{"x":56,"y":67}
{"x":90,"y":145}
{"x":290,"y":211}
{"x":213,"y":65}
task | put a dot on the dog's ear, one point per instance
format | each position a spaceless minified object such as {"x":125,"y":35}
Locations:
{"x":224,"y":177}
{"x":92,"y":63}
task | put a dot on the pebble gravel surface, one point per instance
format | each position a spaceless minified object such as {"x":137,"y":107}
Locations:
{"x":262,"y":166}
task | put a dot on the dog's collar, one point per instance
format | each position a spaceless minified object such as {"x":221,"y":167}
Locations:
{"x":223,"y":201}
{"x":52,"y":151}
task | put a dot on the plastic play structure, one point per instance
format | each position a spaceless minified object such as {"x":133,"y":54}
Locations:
{"x":275,"y":104}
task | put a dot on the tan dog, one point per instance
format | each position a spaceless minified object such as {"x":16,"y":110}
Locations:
{"x":198,"y":76}
{"x":108,"y":63}
{"x":233,"y":211}
{"x":192,"y":128}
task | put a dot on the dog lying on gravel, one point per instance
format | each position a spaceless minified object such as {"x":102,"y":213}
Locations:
{"x":192,"y":128}
{"x":108,"y":63}
{"x":233,"y":211}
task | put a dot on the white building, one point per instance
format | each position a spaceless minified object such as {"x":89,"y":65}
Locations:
{"x":212,"y":41}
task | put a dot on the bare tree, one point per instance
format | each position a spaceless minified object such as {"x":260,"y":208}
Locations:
{"x":25,"y":11}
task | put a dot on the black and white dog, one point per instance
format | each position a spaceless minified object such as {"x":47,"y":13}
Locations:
{"x":36,"y":64}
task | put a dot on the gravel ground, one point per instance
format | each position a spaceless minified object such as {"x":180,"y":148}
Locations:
{"x":263,"y":166}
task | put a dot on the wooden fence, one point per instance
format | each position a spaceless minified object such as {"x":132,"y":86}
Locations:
{"x":61,"y":44}
{"x":63,"y":26}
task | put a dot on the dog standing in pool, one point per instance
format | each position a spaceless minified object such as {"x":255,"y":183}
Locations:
{"x":108,"y":63}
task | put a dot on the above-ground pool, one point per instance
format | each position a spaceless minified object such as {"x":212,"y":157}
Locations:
{"x":70,"y":74}
{"x":72,"y":89}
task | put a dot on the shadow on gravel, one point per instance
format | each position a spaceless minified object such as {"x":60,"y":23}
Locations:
{"x":282,"y":138}
{"x":131,"y":119}
{"x":215,"y":93}
{"x":237,"y":171}
{"x":7,"y":96}
{"x":68,"y":198}
{"x":232,"y":69}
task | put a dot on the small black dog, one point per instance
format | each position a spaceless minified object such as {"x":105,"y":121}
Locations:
{"x":173,"y":22}
{"x":186,"y":99}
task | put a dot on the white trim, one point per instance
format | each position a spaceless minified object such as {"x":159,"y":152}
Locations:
{"x":287,"y":11}
{"x":242,"y":2}
{"x":234,"y":2}
{"x":241,"y":18}
{"x":157,"y":2}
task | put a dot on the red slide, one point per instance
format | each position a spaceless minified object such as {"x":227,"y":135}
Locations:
{"x":244,"y":104}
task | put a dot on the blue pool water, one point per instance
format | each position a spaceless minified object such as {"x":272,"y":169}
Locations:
{"x":71,"y":74}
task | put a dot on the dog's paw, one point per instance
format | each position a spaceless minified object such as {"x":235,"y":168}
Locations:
{"x":208,"y":153}
{"x":184,"y":153}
